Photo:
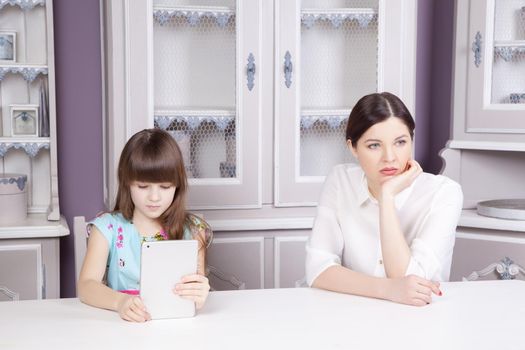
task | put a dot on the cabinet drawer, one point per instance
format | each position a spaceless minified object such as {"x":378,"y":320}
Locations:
{"x":21,"y":270}
{"x":236,"y":261}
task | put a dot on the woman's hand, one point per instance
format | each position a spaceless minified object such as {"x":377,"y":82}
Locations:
{"x":398,"y":183}
{"x":412,"y":290}
{"x":193,"y":287}
{"x":131,"y":308}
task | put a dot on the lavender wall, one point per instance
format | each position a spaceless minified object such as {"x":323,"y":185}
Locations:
{"x":79,"y":105}
{"x":79,"y":119}
{"x":423,"y":81}
{"x":441,"y":81}
{"x":433,"y":80}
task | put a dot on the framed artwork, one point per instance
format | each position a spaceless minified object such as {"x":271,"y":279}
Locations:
{"x":24,"y":120}
{"x":7,"y":47}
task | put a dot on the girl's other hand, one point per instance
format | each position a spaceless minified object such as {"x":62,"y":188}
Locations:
{"x":412,"y":290}
{"x":131,"y":308}
{"x":193,"y":287}
{"x":398,"y":183}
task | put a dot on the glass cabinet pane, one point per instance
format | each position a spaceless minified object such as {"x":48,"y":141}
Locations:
{"x":339,"y":63}
{"x":508,"y":71}
{"x":195,"y":82}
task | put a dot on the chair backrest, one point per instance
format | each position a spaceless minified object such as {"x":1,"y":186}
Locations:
{"x":80,"y":243}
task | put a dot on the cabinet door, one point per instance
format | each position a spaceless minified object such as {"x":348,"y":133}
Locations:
{"x":496,"y":67}
{"x":21,"y":270}
{"x":328,"y":55}
{"x":194,"y":70}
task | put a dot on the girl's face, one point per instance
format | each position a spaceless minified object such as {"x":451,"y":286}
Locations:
{"x":151,"y":199}
{"x":383,"y":151}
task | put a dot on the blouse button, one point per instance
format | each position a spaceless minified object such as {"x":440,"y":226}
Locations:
{"x":380,"y":262}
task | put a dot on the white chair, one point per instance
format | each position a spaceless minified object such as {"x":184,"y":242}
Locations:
{"x":80,"y":243}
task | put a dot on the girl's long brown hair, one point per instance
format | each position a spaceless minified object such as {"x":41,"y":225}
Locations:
{"x":152,"y":155}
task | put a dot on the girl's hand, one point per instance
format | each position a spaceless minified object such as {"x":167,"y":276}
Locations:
{"x":412,"y":290}
{"x":398,"y":183}
{"x":193,"y":287}
{"x":131,"y":308}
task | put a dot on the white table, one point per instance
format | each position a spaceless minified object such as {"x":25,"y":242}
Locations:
{"x":469,"y":315}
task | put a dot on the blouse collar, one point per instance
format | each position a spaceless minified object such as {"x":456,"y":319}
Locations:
{"x":364,"y":195}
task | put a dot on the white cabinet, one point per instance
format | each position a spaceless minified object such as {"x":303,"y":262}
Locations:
{"x":487,"y":152}
{"x":29,"y":246}
{"x":30,"y":259}
{"x":328,"y":54}
{"x":252,"y":89}
{"x":496,"y":67}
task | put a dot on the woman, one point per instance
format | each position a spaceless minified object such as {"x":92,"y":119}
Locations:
{"x":384,"y":229}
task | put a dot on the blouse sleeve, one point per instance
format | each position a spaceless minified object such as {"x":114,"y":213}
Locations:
{"x":325,"y":244}
{"x":105,"y":224}
{"x":432,"y":248}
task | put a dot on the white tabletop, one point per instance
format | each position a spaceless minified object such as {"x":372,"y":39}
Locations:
{"x":469,"y":315}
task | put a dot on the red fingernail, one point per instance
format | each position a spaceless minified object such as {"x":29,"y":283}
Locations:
{"x":440,"y":294}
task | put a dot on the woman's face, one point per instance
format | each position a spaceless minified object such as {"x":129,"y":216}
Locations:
{"x":383,"y":150}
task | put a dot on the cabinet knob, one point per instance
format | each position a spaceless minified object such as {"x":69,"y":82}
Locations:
{"x":476,"y":48}
{"x":288,"y":69}
{"x":250,"y":72}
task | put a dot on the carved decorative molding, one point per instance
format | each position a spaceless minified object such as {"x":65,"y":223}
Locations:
{"x":509,"y":53}
{"x":30,"y":147}
{"x":194,"y":121}
{"x":193,"y":15}
{"x":29,"y":73}
{"x":333,"y":121}
{"x":506,"y":268}
{"x":363,"y":16}
{"x":23,"y":4}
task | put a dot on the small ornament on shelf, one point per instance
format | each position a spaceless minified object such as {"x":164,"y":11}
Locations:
{"x":43,"y":111}
{"x":509,"y":209}
{"x":7,"y":47}
{"x":24,"y":120}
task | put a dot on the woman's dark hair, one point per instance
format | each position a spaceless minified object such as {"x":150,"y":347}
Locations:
{"x":376,"y":108}
{"x":152,"y":155}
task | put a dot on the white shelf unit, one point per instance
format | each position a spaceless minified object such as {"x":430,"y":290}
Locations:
{"x":29,"y":249}
{"x":28,"y":80}
{"x":486,"y":154}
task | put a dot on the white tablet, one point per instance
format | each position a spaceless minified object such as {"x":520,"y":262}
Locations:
{"x":163,"y":263}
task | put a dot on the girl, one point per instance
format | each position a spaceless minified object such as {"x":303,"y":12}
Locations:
{"x":384,"y":229}
{"x":150,"y":205}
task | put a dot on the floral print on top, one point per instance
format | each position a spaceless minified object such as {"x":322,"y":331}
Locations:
{"x":123,"y":272}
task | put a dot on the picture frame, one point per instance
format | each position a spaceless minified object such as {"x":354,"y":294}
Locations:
{"x":7,"y":46}
{"x":24,"y":120}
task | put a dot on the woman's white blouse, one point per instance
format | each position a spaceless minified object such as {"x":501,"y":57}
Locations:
{"x":346,"y":229}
